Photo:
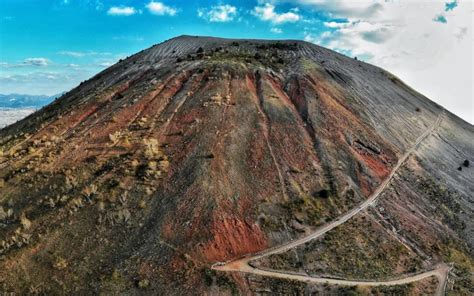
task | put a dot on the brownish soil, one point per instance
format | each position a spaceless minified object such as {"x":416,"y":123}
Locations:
{"x":200,"y":150}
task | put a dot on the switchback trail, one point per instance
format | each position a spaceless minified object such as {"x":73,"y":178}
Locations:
{"x":244,"y":264}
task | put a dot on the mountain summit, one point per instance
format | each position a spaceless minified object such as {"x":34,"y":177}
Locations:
{"x":216,"y":166}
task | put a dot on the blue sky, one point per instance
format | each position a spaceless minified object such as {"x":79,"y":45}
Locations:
{"x":50,"y":46}
{"x":71,"y":40}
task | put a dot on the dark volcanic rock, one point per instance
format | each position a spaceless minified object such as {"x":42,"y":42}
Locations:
{"x":201,"y":149}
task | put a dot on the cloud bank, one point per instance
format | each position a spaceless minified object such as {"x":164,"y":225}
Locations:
{"x":220,"y":13}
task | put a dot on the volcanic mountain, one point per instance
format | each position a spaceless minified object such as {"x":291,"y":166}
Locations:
{"x":218,"y":166}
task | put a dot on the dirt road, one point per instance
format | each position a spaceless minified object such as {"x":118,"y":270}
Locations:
{"x":440,"y":272}
{"x":243,"y":264}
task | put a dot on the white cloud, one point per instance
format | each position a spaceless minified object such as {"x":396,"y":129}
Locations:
{"x":121,"y":10}
{"x":313,"y":38}
{"x":335,"y":24}
{"x":27,"y":77}
{"x":79,"y":54}
{"x":460,"y":33}
{"x":159,"y":8}
{"x":40,"y":82}
{"x":344,"y":8}
{"x":347,"y":33}
{"x":434,"y":58}
{"x":40,"y":62}
{"x":106,"y":64}
{"x":9,"y":116}
{"x":220,"y":13}
{"x":276,"y":30}
{"x":75,"y":54}
{"x":44,"y":82}
{"x":267,"y":13}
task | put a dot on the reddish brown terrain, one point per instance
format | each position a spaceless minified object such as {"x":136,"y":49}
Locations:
{"x":202,"y":150}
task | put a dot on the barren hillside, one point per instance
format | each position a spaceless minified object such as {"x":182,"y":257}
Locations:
{"x":202,"y":150}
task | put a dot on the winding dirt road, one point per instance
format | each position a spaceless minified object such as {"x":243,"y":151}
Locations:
{"x":440,"y":272}
{"x":244,"y":264}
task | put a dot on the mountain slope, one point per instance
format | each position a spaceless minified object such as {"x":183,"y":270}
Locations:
{"x":201,"y":150}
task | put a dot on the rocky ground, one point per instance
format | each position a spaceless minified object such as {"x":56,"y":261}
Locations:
{"x":200,"y":150}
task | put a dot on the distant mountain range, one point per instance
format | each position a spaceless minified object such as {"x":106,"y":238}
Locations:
{"x":26,"y":101}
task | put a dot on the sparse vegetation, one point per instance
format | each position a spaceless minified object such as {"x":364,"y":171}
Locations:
{"x":278,"y":45}
{"x":25,"y":222}
{"x":135,"y":183}
{"x":463,"y":267}
{"x":143,"y":284}
{"x":60,"y":263}
{"x":356,"y":250}
{"x":445,"y":201}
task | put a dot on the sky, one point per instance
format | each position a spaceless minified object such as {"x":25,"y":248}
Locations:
{"x":47,"y":47}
